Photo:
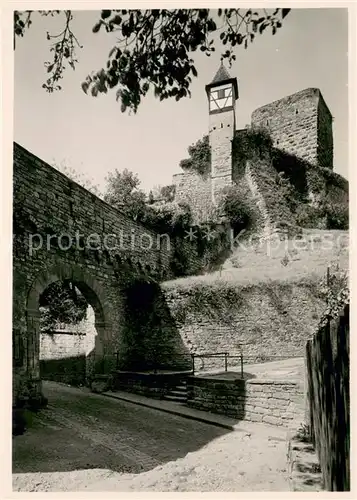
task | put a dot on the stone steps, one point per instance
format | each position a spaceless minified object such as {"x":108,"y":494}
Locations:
{"x":178,"y":393}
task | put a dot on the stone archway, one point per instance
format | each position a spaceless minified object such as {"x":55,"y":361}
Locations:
{"x":94,"y":294}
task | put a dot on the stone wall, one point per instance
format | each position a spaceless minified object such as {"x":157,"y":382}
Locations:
{"x":324,"y":135}
{"x":268,"y":320}
{"x":328,"y":375}
{"x":51,"y":203}
{"x":221,"y":132}
{"x":64,"y":344}
{"x":269,"y":401}
{"x":266,"y":226}
{"x":151,"y":339}
{"x":66,"y":341}
{"x":300,"y":125}
{"x":146,"y":384}
{"x":57,"y":210}
{"x":308,"y":185}
{"x":324,"y":185}
{"x":195,"y":190}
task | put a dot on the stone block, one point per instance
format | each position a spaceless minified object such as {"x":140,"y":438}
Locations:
{"x":256,"y":417}
{"x":270,"y":419}
{"x":259,"y":409}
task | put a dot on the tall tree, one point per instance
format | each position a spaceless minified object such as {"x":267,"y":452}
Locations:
{"x":62,"y":302}
{"x":123,"y":193}
{"x":154,"y":47}
{"x":78,"y":177}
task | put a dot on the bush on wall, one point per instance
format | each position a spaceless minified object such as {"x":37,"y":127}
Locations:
{"x":168,"y":217}
{"x":337,"y":216}
{"x":334,"y":289}
{"x":238,"y":208}
{"x":309,"y":216}
{"x":325,"y":215}
{"x":249,"y":144}
{"x":200,"y":157}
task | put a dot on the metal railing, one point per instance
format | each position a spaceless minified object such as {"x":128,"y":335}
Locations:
{"x":108,"y":362}
{"x":225,"y":356}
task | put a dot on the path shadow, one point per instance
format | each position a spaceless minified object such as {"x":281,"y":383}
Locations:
{"x":151,"y":339}
{"x":80,"y":430}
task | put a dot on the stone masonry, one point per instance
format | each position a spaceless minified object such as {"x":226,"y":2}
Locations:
{"x":187,"y":186}
{"x":269,"y":401}
{"x":51,"y":209}
{"x":301,"y":125}
{"x":222,"y":94}
{"x":222,"y":127}
{"x":66,"y":341}
{"x":271,"y":321}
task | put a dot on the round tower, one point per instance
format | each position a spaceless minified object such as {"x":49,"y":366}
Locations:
{"x":222,"y":95}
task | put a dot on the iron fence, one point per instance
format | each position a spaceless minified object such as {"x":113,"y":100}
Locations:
{"x":107,"y":363}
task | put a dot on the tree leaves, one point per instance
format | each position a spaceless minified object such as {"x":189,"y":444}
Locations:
{"x":105,"y":14}
{"x":200,"y":157}
{"x":62,"y":302}
{"x":153,"y":47}
{"x":96,"y":27}
{"x":285,"y":12}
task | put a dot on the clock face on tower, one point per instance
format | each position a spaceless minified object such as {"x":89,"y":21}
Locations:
{"x":221,"y":98}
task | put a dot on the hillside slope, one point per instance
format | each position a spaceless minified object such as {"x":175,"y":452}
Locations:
{"x":266,"y":299}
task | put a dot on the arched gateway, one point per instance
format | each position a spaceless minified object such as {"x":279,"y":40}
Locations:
{"x":63,"y":232}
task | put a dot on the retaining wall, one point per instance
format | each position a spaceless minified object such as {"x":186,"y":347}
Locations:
{"x":269,"y":401}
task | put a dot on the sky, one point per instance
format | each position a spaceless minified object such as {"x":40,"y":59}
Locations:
{"x":93,"y":136}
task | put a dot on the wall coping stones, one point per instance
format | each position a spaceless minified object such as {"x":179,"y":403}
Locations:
{"x":239,"y":381}
{"x":265,"y":381}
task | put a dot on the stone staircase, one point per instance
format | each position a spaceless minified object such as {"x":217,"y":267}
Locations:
{"x":177,"y":394}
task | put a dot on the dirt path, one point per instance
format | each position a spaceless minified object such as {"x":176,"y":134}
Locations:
{"x":93,"y":443}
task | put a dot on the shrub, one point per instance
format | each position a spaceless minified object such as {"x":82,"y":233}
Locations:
{"x":168,"y":217}
{"x":239,"y":210}
{"x":327,"y":214}
{"x":200,"y":157}
{"x":309,"y":216}
{"x":335,"y":291}
{"x":337,"y":216}
{"x":249,"y":144}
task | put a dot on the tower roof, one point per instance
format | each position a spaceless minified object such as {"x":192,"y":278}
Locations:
{"x":221,"y":75}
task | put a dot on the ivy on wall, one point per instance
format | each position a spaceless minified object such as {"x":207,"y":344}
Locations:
{"x":334,"y":289}
{"x":249,"y":144}
{"x":219,"y":300}
{"x":239,"y":209}
{"x":199,"y":157}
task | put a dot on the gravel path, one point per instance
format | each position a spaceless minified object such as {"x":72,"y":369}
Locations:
{"x":87,"y":442}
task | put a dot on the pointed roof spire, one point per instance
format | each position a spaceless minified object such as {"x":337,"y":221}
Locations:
{"x":222,"y":74}
{"x":222,"y":77}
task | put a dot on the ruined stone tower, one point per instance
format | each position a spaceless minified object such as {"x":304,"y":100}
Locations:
{"x":300,"y":128}
{"x":301,"y":125}
{"x":222,"y":94}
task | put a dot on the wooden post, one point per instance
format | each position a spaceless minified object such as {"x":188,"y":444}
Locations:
{"x":328,"y":276}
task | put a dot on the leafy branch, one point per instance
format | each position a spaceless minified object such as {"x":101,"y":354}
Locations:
{"x":153,"y":48}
